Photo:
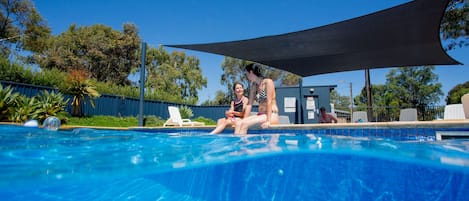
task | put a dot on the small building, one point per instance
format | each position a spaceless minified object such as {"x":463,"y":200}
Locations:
{"x":302,"y":106}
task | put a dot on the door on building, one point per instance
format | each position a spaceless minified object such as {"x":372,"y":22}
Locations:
{"x":311,"y":109}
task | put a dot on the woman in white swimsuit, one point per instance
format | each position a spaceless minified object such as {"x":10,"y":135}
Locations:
{"x":263,"y":90}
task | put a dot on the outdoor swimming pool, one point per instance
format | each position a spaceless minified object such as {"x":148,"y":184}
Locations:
{"x":88,"y":164}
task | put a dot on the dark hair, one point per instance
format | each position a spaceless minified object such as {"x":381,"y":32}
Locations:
{"x":236,"y":83}
{"x":322,"y":109}
{"x":255,"y":68}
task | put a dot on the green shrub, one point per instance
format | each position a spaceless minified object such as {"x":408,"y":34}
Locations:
{"x":50,"y":104}
{"x":11,"y":71}
{"x":7,"y":102}
{"x":52,"y":78}
{"x":24,"y":109}
{"x":186,"y":112}
{"x":153,"y":120}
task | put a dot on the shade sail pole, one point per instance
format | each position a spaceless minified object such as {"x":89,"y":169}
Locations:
{"x":368,"y":94}
{"x":142,"y":85}
{"x":300,"y":102}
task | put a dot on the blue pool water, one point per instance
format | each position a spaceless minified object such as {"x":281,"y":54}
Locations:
{"x":88,"y":164}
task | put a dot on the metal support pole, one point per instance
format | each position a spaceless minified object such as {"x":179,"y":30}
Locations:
{"x":300,"y":103}
{"x":142,"y":85}
{"x":351,"y":102}
{"x":368,"y":94}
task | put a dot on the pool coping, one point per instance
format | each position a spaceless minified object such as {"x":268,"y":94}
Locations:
{"x":463,"y":123}
{"x":395,"y":124}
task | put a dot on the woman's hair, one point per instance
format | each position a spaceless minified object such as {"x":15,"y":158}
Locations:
{"x":236,"y":83}
{"x":255,"y":68}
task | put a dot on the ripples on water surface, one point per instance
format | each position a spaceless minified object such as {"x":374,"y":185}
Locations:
{"x":30,"y":157}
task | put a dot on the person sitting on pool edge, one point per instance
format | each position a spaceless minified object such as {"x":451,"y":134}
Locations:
{"x":326,"y":117}
{"x":236,"y":111}
{"x":263,"y":90}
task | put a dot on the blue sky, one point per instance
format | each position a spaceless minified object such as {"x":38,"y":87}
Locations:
{"x":203,"y":21}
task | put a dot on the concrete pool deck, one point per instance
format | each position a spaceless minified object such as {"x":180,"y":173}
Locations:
{"x":464,"y":123}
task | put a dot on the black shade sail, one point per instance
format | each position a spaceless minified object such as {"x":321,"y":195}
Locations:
{"x":405,"y":35}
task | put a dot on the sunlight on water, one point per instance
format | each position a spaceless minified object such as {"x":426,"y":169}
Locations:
{"x":66,"y":153}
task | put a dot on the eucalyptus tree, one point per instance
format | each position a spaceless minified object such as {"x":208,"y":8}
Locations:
{"x":340,"y":102}
{"x":387,"y":104}
{"x":174,"y":77}
{"x":414,"y":86}
{"x":455,"y":94}
{"x":21,"y":27}
{"x":454,"y":26}
{"x":107,"y":55}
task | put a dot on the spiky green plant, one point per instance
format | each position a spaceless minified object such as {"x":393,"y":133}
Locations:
{"x":186,"y":112}
{"x":50,"y":104}
{"x":24,"y":109}
{"x":7,"y":102}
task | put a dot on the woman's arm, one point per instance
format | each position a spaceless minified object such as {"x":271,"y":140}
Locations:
{"x":230,"y":112}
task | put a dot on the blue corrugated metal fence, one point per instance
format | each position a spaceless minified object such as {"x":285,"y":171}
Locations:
{"x":122,"y":106}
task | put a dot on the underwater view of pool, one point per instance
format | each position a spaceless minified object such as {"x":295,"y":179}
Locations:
{"x":94,"y":164}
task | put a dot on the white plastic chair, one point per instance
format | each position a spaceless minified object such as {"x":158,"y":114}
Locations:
{"x":176,"y":120}
{"x":454,"y":111}
{"x":409,"y":114}
{"x":359,"y":116}
{"x":465,"y":104}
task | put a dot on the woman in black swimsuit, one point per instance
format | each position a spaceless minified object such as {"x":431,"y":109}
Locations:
{"x":263,"y":90}
{"x":236,"y":111}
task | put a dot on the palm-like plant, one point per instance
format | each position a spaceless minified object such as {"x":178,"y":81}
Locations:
{"x":50,"y":104}
{"x":81,"y":89}
{"x":7,"y":102}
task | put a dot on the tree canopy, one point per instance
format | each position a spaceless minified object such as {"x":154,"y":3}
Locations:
{"x":340,"y":102}
{"x":174,"y":77}
{"x":106,"y":54}
{"x":454,"y":25}
{"x":455,"y":94}
{"x":21,"y":27}
{"x":405,"y":87}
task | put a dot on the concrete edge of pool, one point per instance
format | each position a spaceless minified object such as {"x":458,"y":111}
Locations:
{"x":463,"y":123}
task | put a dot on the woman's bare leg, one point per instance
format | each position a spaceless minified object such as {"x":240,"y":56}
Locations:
{"x":221,"y":124}
{"x":242,"y":126}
